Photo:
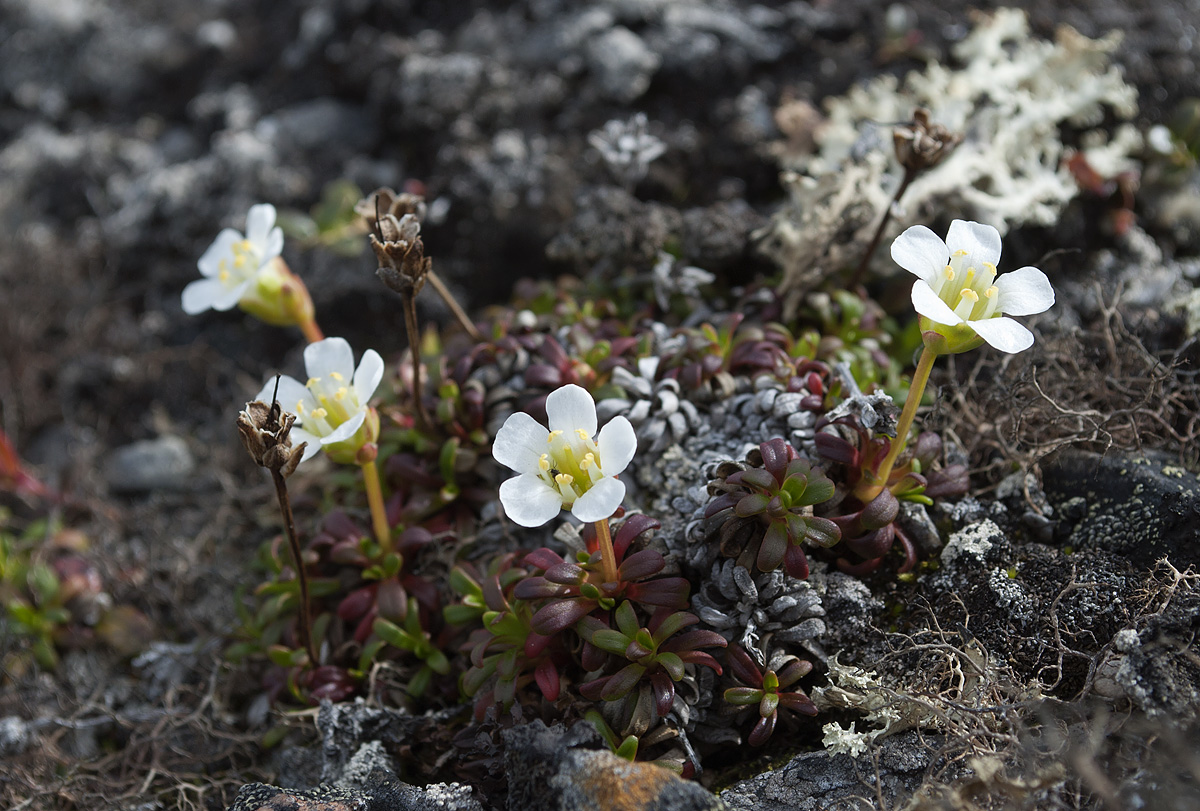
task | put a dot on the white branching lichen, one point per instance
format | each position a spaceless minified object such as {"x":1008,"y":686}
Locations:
{"x":1008,"y":98}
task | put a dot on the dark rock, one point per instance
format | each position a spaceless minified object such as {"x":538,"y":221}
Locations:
{"x":380,"y":794}
{"x":717,"y":236}
{"x":818,"y":780}
{"x":554,"y":770}
{"x":164,"y":463}
{"x":1139,"y":508}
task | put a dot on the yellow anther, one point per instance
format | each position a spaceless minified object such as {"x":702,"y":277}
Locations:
{"x":340,"y":394}
{"x":336,"y":376}
{"x":587,"y":461}
{"x":990,"y":266}
{"x":584,"y":435}
{"x":223,"y":275}
{"x":553,"y":436}
{"x":320,"y":414}
{"x":544,"y":462}
{"x":299,"y":409}
{"x":991,"y":291}
{"x":312,"y":381}
{"x":950,"y":274}
{"x":239,"y":261}
{"x":564,"y":479}
{"x":961,"y":252}
{"x":969,"y":294}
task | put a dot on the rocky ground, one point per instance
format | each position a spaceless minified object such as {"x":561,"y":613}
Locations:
{"x":1041,"y":658}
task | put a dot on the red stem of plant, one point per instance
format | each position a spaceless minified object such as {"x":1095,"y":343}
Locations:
{"x":289,"y":526}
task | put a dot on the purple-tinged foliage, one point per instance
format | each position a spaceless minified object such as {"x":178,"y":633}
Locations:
{"x":768,"y":690}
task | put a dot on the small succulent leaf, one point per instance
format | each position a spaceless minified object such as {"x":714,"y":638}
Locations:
{"x":538,"y":588}
{"x":768,"y":705}
{"x":798,"y":702}
{"x":628,"y":748}
{"x":611,"y":641}
{"x":641,"y":565}
{"x":673,"y":624}
{"x":743,"y":696}
{"x":626,"y":619}
{"x":567,"y":574}
{"x":763,"y":730}
{"x":759,"y":479}
{"x":743,"y":666}
{"x":822,"y":531}
{"x":554,"y":617}
{"x":620,"y":683}
{"x":438,"y":662}
{"x":793,"y":671}
{"x":663,"y":689}
{"x":547,"y":678}
{"x":633,"y":526}
{"x":773,"y":547}
{"x":671,"y":663}
{"x":752,"y":504}
{"x":667,"y":592}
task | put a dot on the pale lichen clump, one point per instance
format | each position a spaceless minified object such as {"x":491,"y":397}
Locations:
{"x":1009,"y":98}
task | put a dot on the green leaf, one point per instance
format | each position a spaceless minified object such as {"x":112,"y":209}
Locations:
{"x":628,"y":748}
{"x":611,"y":641}
{"x":393,"y":634}
{"x":819,"y":489}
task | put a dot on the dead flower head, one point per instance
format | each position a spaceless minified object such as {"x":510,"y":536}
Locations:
{"x":266,"y":435}
{"x":921,"y":144}
{"x":401,"y":254}
{"x":386,"y":201}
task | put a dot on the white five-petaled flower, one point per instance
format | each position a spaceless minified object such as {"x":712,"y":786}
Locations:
{"x":331,"y":408}
{"x":231,"y":264}
{"x":563,"y":467}
{"x":958,"y":294}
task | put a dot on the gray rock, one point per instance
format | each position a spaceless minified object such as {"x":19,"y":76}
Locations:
{"x":622,"y":63}
{"x":817,"y":780}
{"x":554,"y":770}
{"x":164,"y":463}
{"x":380,"y":794}
{"x":1140,"y":508}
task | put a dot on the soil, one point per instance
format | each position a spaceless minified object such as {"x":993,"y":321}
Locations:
{"x":133,"y":131}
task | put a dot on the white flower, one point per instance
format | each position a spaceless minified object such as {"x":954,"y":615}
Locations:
{"x":231,"y":264}
{"x":563,"y":467}
{"x":331,"y":408}
{"x":958,"y":294}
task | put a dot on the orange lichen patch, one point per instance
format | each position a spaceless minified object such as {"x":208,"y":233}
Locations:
{"x":616,"y":784}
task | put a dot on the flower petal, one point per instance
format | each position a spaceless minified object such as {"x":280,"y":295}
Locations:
{"x":367,"y":375}
{"x":229,"y":297}
{"x":330,"y":355}
{"x":616,"y":443}
{"x":258,"y":224}
{"x":600,"y":501}
{"x":927,"y":303}
{"x":221,"y":248}
{"x":346,"y":430}
{"x":571,"y":408}
{"x":529,"y":501}
{"x":921,"y":252}
{"x":291,"y":392}
{"x":1024,"y":292}
{"x":980,"y":241}
{"x":274,"y":245}
{"x":520,"y":443}
{"x":1003,"y":333}
{"x":299,"y":435}
{"x":201,"y":294}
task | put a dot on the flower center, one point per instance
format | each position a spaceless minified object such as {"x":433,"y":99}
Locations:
{"x":571,"y":464}
{"x":245,"y":260}
{"x":967,"y":290}
{"x":336,"y":403}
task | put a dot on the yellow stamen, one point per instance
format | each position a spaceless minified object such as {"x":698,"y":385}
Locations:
{"x":544,"y":463}
{"x":583,"y":434}
{"x":223,"y":275}
{"x":961,"y":252}
{"x":336,"y":376}
{"x":970,"y":295}
{"x":312,"y":381}
{"x":991,"y":292}
{"x":320,"y":414}
{"x":239,"y":261}
{"x":949,"y":273}
{"x":564,"y":479}
{"x":299,"y":409}
{"x":340,"y":394}
{"x":587,"y":461}
{"x":553,"y":436}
